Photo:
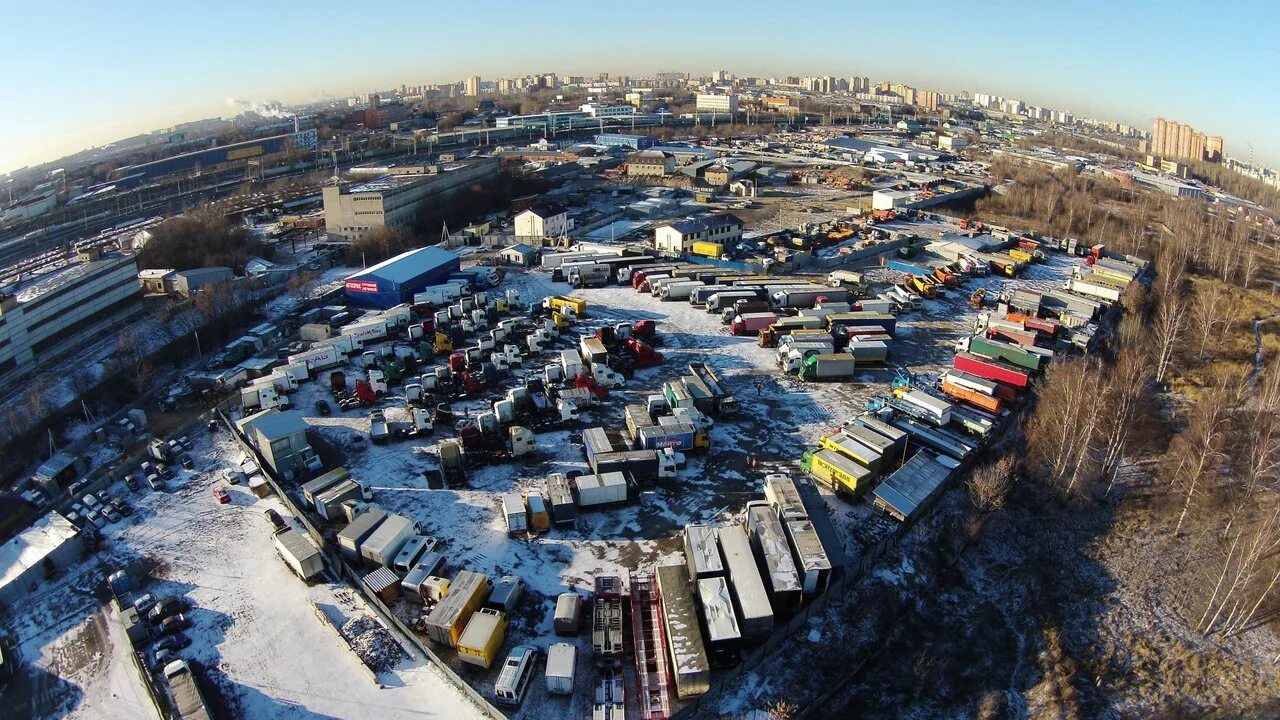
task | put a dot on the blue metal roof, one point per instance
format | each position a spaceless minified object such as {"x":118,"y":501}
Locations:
{"x":407,"y":266}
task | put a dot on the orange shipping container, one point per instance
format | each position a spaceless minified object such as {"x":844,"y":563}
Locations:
{"x":977,"y":399}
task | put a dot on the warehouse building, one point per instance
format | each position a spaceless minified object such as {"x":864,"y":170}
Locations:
{"x":635,"y":142}
{"x":395,"y":201}
{"x":54,"y":314}
{"x":188,"y":282}
{"x":394,"y":281}
{"x":51,"y":544}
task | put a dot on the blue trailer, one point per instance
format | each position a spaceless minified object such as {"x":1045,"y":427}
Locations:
{"x":912,"y":268}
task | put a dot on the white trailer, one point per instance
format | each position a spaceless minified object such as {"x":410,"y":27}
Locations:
{"x":561,"y":659}
{"x":939,"y":410}
{"x":679,"y":290}
{"x":299,"y":554}
{"x":442,"y":293}
{"x":513,"y":511}
{"x":1101,"y":292}
{"x":607,"y":489}
{"x":381,"y":547}
{"x":318,"y":358}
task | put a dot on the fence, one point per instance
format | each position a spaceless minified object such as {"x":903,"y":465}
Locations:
{"x":345,"y":572}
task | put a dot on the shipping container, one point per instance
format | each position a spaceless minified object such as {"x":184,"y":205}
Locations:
{"x":936,"y":409}
{"x":773,"y":557}
{"x":564,"y":511}
{"x":702,"y":554}
{"x":677,"y":436}
{"x":873,"y":424}
{"x":707,"y":249}
{"x":751,"y":600}
{"x":467,"y":593}
{"x":992,"y":370}
{"x":561,"y":665}
{"x":1023,"y":357}
{"x":598,"y":490}
{"x":352,"y":537}
{"x":514,"y":514}
{"x":781,"y":494}
{"x":903,"y":492}
{"x":538,"y":515}
{"x":886,"y":322}
{"x":752,"y":323}
{"x":381,"y":547}
{"x":311,"y":488}
{"x":480,"y":641}
{"x":724,"y":637}
{"x":972,"y":397}
{"x":568,"y":615}
{"x":832,"y":366}
{"x":689,"y":665}
{"x":837,"y":471}
{"x":809,"y":555}
{"x":299,"y":554}
{"x":329,"y":503}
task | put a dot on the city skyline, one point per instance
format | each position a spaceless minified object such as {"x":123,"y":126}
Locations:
{"x":138,"y":86}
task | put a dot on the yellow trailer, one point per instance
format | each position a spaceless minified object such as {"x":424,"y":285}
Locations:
{"x":536,"y":509}
{"x":483,"y":638}
{"x":467,"y":593}
{"x":578,"y":305}
{"x":1021,"y":256}
{"x":708,"y":249}
{"x":443,"y":343}
{"x":839,"y":472}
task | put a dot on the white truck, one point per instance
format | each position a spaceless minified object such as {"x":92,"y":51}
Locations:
{"x":299,"y":554}
{"x":513,"y":511}
{"x":262,"y":396}
{"x":318,"y":358}
{"x":443,"y":293}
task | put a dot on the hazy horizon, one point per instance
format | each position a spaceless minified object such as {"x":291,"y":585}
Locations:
{"x":115,"y":76}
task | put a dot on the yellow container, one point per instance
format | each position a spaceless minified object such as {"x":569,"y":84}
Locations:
{"x":708,"y":249}
{"x":578,"y":304}
{"x":483,"y":638}
{"x":467,"y":593}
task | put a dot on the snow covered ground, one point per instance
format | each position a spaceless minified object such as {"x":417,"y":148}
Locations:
{"x":254,"y":629}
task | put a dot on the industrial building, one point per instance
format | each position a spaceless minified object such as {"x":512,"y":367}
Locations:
{"x":717,"y":103}
{"x":635,"y":142}
{"x":214,"y":157}
{"x":281,"y":437}
{"x":52,"y":315}
{"x":187,"y":282}
{"x":678,"y":237}
{"x":394,"y":281}
{"x":51,"y":544}
{"x":395,"y":201}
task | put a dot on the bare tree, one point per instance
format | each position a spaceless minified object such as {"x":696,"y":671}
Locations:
{"x":990,"y":484}
{"x":1249,"y":575}
{"x":1210,"y":313}
{"x":1169,"y":322}
{"x":1197,"y":453}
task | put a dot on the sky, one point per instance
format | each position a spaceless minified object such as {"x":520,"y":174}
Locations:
{"x":81,"y":74}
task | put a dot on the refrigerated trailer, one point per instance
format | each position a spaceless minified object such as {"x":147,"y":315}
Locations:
{"x":751,"y":600}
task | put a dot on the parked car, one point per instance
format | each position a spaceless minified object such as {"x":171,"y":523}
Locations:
{"x":97,"y":520}
{"x":274,"y":518}
{"x":111,"y":514}
{"x":144,"y":603}
{"x":322,"y":407}
{"x":131,"y":482}
{"x":161,"y":658}
{"x":358,"y":442}
{"x":77,"y":508}
{"x":221,"y":495}
{"x":234,"y":476}
{"x":122,"y":507}
{"x":173,"y":624}
{"x":173,"y":642}
{"x":187,"y":461}
{"x":166,"y":606}
{"x":154,"y":482}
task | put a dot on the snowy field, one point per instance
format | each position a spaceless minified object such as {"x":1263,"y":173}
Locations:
{"x":266,"y":653}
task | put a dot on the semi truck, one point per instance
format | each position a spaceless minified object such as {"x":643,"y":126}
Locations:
{"x":992,"y":369}
{"x":752,"y":323}
{"x":837,"y":471}
{"x":832,"y":366}
{"x":679,"y":290}
{"x":187,"y":700}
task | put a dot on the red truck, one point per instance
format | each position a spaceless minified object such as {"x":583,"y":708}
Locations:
{"x":642,"y":353}
{"x":752,"y":323}
{"x":992,"y":370}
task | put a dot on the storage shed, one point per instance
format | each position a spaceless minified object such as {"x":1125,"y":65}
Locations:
{"x":394,"y":281}
{"x":519,"y":254}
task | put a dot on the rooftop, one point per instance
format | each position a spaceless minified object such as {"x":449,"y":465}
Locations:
{"x":273,"y":424}
{"x":64,"y":276}
{"x":408,"y":265}
{"x":701,"y":224}
{"x":32,"y":545}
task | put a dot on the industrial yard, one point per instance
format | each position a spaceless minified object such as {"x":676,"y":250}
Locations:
{"x":396,"y":462}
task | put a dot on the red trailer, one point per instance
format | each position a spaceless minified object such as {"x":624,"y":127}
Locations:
{"x":1020,"y":337}
{"x":752,"y":323}
{"x":992,"y":370}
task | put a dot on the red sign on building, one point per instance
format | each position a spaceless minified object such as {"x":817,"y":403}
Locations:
{"x":362,"y":286}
